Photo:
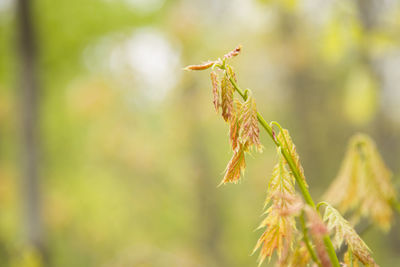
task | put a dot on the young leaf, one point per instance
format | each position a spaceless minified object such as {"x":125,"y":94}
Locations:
{"x":281,"y":181}
{"x":230,"y":72}
{"x":235,"y":124}
{"x":364,"y":183}
{"x":249,"y":130}
{"x":227,"y":91}
{"x":234,"y":52}
{"x":344,"y":232}
{"x":203,"y":66}
{"x":279,"y":223}
{"x":215,"y":86}
{"x":287,"y":143}
{"x":300,"y":257}
{"x":210,"y":63}
{"x":236,"y":166}
{"x":350,"y":261}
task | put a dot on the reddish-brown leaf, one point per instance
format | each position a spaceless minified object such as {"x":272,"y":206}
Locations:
{"x":236,"y":166}
{"x":227,"y":91}
{"x":234,"y":52}
{"x":215,"y":86}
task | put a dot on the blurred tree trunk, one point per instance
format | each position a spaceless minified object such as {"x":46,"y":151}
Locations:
{"x":309,"y":128}
{"x":28,"y":86}
{"x":209,"y":226}
{"x":208,"y":208}
{"x":385,"y":134}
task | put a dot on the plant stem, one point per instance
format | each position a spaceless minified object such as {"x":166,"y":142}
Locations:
{"x":331,"y":251}
{"x":304,"y":191}
{"x":351,"y":257}
{"x":307,"y":240}
{"x":295,"y":171}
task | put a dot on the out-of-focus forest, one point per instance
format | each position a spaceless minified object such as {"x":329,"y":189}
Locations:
{"x":110,"y":154}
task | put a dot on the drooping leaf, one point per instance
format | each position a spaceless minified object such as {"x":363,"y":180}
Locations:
{"x":236,"y":166}
{"x":350,"y":262}
{"x":364,"y":184}
{"x":227,"y":91}
{"x":344,"y":232}
{"x":250,"y":133}
{"x":215,"y":87}
{"x":287,"y":143}
{"x":299,"y":257}
{"x":235,"y":124}
{"x":280,"y":182}
{"x":279,"y":222}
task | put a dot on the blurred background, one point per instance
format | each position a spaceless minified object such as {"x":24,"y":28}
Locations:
{"x":110,"y":154}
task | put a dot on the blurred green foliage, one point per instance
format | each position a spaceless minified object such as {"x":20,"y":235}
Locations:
{"x":132,"y":151}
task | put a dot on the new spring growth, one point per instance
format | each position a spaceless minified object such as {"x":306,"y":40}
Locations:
{"x":344,"y":232}
{"x":363,"y":184}
{"x":219,"y":61}
{"x":286,"y":141}
{"x":282,"y":203}
{"x":298,"y":257}
{"x":240,"y":116}
{"x":282,"y":207}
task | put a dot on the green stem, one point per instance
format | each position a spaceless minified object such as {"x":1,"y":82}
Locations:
{"x":265,"y":125}
{"x":307,"y":240}
{"x":304,"y":191}
{"x":320,"y":204}
{"x":331,"y":251}
{"x":351,"y":257}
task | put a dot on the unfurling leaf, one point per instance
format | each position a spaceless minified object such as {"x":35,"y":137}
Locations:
{"x":218,"y":61}
{"x":249,"y":130}
{"x":279,"y":223}
{"x":343,"y":231}
{"x":227,"y":91}
{"x":234,"y":52}
{"x":203,"y":66}
{"x":236,"y":166}
{"x":215,"y":86}
{"x":287,"y":143}
{"x":364,"y":183}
